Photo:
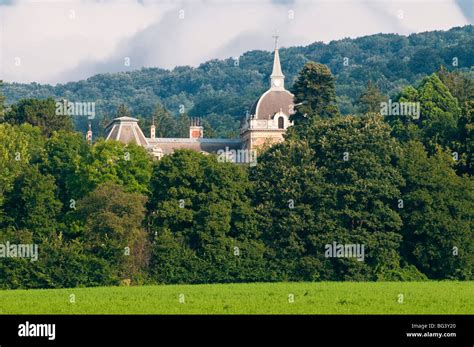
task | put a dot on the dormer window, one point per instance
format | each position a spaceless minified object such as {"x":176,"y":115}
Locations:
{"x":281,"y":123}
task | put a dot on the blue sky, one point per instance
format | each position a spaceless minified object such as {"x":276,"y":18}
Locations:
{"x":52,"y":41}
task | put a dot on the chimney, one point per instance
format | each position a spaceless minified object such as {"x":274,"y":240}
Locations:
{"x":89,"y":134}
{"x":153,"y":129}
{"x":196,"y":131}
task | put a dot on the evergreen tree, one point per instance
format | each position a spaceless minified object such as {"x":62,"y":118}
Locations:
{"x":182,"y":126}
{"x":440,"y":113}
{"x":164,"y":122}
{"x":370,"y":99}
{"x":315,"y":92}
{"x":123,"y":111}
{"x":315,"y":88}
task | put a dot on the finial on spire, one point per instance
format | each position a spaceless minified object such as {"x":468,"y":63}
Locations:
{"x":276,"y":37}
{"x":277,"y":78}
{"x":89,"y":134}
{"x":152,"y":128}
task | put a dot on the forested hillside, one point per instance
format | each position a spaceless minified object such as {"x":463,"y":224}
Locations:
{"x":396,"y":188}
{"x":221,"y":91}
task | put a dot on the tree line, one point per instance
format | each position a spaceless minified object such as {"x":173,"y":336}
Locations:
{"x":105,"y":214}
{"x":221,"y":91}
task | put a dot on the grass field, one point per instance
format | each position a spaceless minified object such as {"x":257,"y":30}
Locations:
{"x":256,"y":298}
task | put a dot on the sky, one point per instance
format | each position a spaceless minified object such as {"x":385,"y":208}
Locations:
{"x":51,"y":41}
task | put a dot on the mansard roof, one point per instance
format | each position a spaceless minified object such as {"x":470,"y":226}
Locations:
{"x":169,"y":145}
{"x":125,"y":130}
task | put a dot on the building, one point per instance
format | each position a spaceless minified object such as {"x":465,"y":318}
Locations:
{"x":264,"y":125}
{"x":269,"y":116}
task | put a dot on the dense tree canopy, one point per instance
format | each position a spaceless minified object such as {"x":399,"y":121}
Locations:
{"x":226,"y":88}
{"x":315,"y":93}
{"x":112,"y":220}
{"x":123,"y":111}
{"x":398,"y":185}
{"x":20,"y":146}
{"x":437,"y":214}
{"x":65,"y":157}
{"x":439,"y":113}
{"x":2,"y":101}
{"x":111,"y":161}
{"x":370,"y":99}
{"x":41,"y":113}
{"x":462,"y":88}
{"x":32,"y":204}
{"x":201,"y":209}
{"x":340,"y":186}
{"x":163,"y":122}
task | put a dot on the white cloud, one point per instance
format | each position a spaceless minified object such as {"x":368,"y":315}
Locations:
{"x":56,"y":48}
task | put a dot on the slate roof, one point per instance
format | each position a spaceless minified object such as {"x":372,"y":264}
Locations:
{"x":271,"y":102}
{"x":169,"y":145}
{"x":125,"y":130}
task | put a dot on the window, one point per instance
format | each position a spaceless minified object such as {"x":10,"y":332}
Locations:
{"x":281,"y":123}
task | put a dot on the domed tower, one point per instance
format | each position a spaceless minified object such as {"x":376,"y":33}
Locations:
{"x":269,"y":116}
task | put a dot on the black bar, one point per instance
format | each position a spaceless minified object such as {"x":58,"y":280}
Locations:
{"x":311,"y":330}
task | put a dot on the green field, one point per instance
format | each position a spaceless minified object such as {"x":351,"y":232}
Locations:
{"x":256,"y":298}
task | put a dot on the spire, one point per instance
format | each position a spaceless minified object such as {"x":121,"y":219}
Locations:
{"x":89,"y":134}
{"x":153,"y":128}
{"x":276,"y":65}
{"x":277,"y":78}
